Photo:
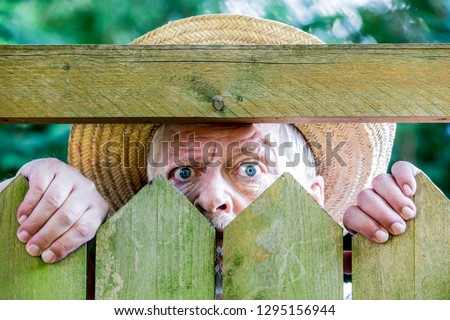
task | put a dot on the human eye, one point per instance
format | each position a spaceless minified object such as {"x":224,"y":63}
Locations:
{"x":249,"y":169}
{"x":183,"y":173}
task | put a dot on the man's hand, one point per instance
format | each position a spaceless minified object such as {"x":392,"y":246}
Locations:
{"x":61,"y":211}
{"x":384,"y":208}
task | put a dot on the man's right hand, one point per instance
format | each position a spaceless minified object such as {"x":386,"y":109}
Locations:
{"x":61,"y":211}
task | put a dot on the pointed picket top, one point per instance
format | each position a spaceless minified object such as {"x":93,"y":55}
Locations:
{"x":283,"y":246}
{"x":25,"y":277}
{"x":158,"y":246}
{"x":414,"y":265}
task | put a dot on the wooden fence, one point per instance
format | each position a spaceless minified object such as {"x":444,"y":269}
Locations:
{"x":284,"y":246}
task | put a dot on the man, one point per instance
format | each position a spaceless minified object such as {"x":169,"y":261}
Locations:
{"x":64,"y":206}
{"x":63,"y":209}
{"x":223,"y":182}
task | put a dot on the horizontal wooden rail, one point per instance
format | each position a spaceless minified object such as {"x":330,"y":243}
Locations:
{"x":135,"y":84}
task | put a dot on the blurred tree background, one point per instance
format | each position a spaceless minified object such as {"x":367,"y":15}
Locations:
{"x":120,"y":21}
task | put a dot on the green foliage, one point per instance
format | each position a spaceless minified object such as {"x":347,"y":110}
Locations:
{"x":427,"y":146}
{"x":119,"y":22}
{"x":22,"y":143}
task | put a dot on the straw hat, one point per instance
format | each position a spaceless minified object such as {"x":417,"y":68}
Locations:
{"x":365,"y":152}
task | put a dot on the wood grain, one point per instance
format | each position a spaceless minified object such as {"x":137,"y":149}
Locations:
{"x":414,"y":265}
{"x":135,"y":84}
{"x":283,"y":246}
{"x":25,"y":277}
{"x":158,"y":246}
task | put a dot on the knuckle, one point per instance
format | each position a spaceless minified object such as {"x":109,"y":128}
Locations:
{"x":53,"y":201}
{"x":86,"y":185}
{"x":53,"y":162}
{"x":104,"y":205}
{"x":36,"y":192}
{"x":387,"y":219}
{"x":85,"y":230}
{"x":25,"y":208}
{"x":398,"y":166}
{"x":71,"y":170}
{"x":41,"y":240}
{"x":60,"y":248}
{"x":101,"y":203}
{"x":349,"y":213}
{"x":404,"y":202}
{"x":364,"y":196}
{"x":381,"y":180}
{"x":31,"y":226}
{"x":90,"y":185}
{"x":68,"y":216}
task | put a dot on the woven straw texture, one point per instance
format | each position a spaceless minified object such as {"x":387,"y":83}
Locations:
{"x":114,"y":156}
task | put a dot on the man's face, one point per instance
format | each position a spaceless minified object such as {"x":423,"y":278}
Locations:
{"x":221,"y":169}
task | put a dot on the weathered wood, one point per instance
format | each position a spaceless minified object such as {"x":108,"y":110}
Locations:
{"x":158,"y":246}
{"x":366,"y":83}
{"x":414,"y":265}
{"x":283,"y":246}
{"x":26,"y":277}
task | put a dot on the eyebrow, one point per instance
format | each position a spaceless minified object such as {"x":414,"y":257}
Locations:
{"x":187,"y":153}
{"x":250,"y":147}
{"x":188,"y":156}
{"x":259,"y":141}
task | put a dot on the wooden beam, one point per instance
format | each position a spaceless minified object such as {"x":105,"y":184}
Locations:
{"x":135,"y":84}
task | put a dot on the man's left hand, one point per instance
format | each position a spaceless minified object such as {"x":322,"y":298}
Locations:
{"x":384,"y":208}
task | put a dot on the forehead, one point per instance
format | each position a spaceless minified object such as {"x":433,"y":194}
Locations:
{"x":220,"y":132}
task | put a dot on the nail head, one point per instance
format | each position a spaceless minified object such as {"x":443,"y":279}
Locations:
{"x":218,"y":103}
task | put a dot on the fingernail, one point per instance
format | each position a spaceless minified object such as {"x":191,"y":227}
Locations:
{"x":23,"y":236}
{"x":407,"y":190}
{"x":48,"y":256}
{"x":381,"y":236}
{"x":33,"y":250}
{"x":398,"y":228}
{"x":407,"y":213}
{"x":22,"y":219}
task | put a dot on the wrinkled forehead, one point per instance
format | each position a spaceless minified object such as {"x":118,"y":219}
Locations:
{"x":223,"y":133}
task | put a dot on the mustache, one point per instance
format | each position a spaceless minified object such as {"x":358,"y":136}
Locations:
{"x":221,"y":220}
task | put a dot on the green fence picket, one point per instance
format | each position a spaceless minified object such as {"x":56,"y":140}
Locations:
{"x":414,"y":265}
{"x":158,"y":246}
{"x":283,"y":246}
{"x":26,"y":277}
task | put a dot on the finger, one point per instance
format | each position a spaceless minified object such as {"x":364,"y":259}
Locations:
{"x":83,"y":231}
{"x":387,"y":188}
{"x":38,"y":184}
{"x":62,"y":220}
{"x":53,"y":198}
{"x":357,"y":221}
{"x":376,"y":208}
{"x":404,"y":173}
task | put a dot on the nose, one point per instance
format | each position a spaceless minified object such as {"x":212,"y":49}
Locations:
{"x":214,"y":197}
